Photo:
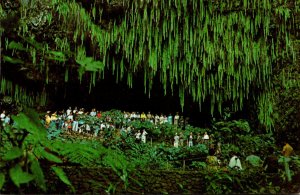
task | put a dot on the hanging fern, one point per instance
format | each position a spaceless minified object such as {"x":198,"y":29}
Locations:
{"x":218,"y":51}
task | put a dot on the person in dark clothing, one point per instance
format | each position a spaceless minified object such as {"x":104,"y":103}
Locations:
{"x":271,"y":162}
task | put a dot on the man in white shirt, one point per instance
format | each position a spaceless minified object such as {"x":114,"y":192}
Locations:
{"x":70,"y":117}
{"x":235,"y":163}
{"x":93,"y":112}
{"x":132,"y":116}
{"x":2,"y":116}
{"x":205,"y":138}
{"x":69,"y":111}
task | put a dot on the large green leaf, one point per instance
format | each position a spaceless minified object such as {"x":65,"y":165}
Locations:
{"x":29,"y":120}
{"x":2,"y":180}
{"x":254,"y":160}
{"x":17,"y":46}
{"x":38,"y":174}
{"x":89,"y":64}
{"x":50,"y":157}
{"x":62,"y":175}
{"x":57,"y":55}
{"x":14,"y":153}
{"x":18,"y":176}
{"x":12,"y":60}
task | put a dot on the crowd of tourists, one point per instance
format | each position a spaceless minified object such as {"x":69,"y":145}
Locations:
{"x":77,"y":120}
{"x":73,"y":122}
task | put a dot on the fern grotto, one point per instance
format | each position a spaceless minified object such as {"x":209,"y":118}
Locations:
{"x":162,"y":94}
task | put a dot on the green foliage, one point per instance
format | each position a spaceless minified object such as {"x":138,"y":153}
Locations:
{"x":2,"y":180}
{"x":23,"y":153}
{"x":23,"y":144}
{"x":39,"y":175}
{"x":254,"y":160}
{"x":285,"y":161}
{"x":83,"y":153}
{"x":61,"y":174}
{"x":14,"y":153}
{"x":199,"y":165}
{"x":18,"y":176}
{"x":218,"y":182}
{"x":12,"y":60}
{"x":222,"y":51}
{"x":26,"y":145}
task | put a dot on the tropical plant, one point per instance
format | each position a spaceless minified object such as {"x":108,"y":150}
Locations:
{"x":24,"y":148}
{"x":27,"y":153}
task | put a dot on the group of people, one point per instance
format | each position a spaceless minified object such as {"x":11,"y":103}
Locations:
{"x":76,"y":120}
{"x":179,"y":139}
{"x":270,"y":164}
{"x":156,"y":119}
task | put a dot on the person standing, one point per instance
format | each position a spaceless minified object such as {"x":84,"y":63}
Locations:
{"x":176,"y":119}
{"x":138,"y":116}
{"x":149,"y":117}
{"x":47,"y":120}
{"x":212,"y":161}
{"x":75,"y":124}
{"x":80,"y":112}
{"x":165,"y":119}
{"x":138,"y":136}
{"x":144,"y":136}
{"x":93,"y":112}
{"x":69,"y":111}
{"x":181,"y":139}
{"x":176,"y":140}
{"x":287,"y":150}
{"x":205,"y":138}
{"x":156,"y":119}
{"x":143,"y":116}
{"x":235,"y":162}
{"x":75,"y":110}
{"x":99,"y":114}
{"x":2,"y":116}
{"x":70,"y":117}
{"x":190,"y":144}
{"x":7,"y":120}
{"x":170,"y":119}
{"x":161,"y":119}
{"x":132,"y":116}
